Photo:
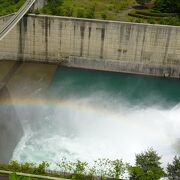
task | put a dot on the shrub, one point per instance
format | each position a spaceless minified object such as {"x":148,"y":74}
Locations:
{"x":80,"y":12}
{"x":53,"y":7}
{"x":67,"y":11}
{"x":40,"y":169}
{"x":91,"y":12}
{"x":14,"y":165}
{"x":27,"y":167}
{"x":147,"y":13}
{"x":104,"y":16}
{"x":151,"y":21}
{"x":133,"y":14}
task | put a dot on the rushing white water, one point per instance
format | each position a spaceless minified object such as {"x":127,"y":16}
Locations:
{"x":88,"y":129}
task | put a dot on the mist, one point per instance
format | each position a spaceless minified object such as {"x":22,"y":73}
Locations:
{"x":81,"y":129}
{"x":86,"y":115}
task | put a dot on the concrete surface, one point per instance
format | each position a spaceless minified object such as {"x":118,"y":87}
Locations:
{"x":95,"y":44}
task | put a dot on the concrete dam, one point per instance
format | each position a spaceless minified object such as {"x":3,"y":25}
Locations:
{"x":94,"y":44}
{"x":49,"y":112}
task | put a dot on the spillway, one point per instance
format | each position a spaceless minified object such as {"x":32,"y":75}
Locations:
{"x":86,"y":115}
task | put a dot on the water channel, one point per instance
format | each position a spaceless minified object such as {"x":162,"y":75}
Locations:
{"x":86,"y":115}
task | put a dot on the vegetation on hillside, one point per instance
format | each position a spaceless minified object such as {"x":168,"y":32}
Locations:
{"x":147,"y":167}
{"x":172,"y":6}
{"x":163,"y":12}
{"x":100,"y":9}
{"x":160,"y":11}
{"x":10,"y":6}
{"x":152,"y":16}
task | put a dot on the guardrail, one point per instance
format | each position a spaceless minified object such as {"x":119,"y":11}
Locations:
{"x":16,"y":18}
{"x":32,"y":175}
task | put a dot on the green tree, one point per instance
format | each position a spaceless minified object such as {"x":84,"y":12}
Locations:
{"x":65,"y":166}
{"x":41,"y":168}
{"x":79,"y":170}
{"x":102,"y":167}
{"x":117,"y":168}
{"x":148,"y":166}
{"x":53,"y":7}
{"x":14,"y":165}
{"x":27,"y":167}
{"x":173,"y":170}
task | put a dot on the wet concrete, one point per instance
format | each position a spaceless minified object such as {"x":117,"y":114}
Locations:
{"x":31,"y":80}
{"x":18,"y":81}
{"x":5,"y":66}
{"x":10,"y":126}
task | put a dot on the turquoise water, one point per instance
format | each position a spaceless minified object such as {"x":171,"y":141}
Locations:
{"x":135,"y":90}
{"x":91,"y":114}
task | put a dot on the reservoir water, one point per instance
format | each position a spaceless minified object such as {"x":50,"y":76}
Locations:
{"x":87,"y":115}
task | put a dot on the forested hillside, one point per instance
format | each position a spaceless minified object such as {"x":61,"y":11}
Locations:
{"x":10,"y":6}
{"x":160,"y":12}
{"x":171,"y":6}
{"x":142,"y":11}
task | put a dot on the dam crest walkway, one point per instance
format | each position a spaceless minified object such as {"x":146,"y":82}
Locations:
{"x":15,"y":18}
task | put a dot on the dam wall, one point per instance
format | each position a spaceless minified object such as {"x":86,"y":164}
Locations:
{"x":95,"y":44}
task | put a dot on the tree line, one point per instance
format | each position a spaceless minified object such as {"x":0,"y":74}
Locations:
{"x":147,"y":167}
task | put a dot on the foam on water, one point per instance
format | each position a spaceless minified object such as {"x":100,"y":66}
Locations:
{"x":88,"y":129}
{"x":88,"y":115}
